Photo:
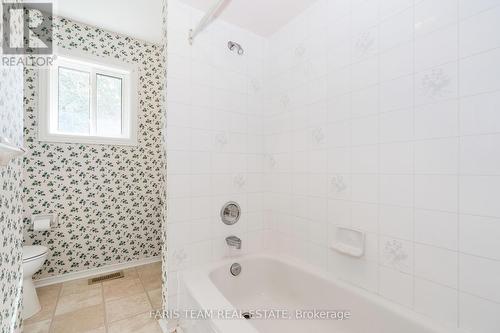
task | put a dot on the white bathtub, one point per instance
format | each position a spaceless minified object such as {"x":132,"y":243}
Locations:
{"x":269,"y":282}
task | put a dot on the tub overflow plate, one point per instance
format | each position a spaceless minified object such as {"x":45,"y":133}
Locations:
{"x":235,"y":269}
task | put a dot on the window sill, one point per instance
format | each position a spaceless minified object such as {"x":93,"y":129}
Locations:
{"x":88,"y":140}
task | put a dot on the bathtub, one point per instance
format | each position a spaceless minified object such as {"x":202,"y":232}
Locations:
{"x":269,"y":283}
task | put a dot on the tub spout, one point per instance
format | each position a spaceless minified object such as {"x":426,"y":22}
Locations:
{"x":233,"y":241}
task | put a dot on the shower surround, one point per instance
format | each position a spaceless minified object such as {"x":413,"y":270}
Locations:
{"x":108,"y":198}
{"x":215,"y":141}
{"x":381,"y":116}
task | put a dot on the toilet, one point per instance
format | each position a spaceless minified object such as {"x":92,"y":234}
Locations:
{"x":33,"y":259}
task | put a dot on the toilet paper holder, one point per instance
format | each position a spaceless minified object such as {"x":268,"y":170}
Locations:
{"x":43,"y":222}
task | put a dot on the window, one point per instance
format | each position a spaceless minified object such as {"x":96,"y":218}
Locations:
{"x":88,"y":100}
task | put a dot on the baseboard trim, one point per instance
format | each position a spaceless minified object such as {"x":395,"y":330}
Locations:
{"x":93,"y":271}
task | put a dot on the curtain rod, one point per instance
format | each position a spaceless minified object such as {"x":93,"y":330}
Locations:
{"x":206,"y":20}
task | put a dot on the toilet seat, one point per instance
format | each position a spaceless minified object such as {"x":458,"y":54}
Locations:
{"x":33,"y":252}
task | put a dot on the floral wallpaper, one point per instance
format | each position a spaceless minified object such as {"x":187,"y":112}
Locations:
{"x":108,"y":198}
{"x":11,"y":119}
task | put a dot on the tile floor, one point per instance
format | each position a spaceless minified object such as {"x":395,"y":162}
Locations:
{"x":121,"y":305}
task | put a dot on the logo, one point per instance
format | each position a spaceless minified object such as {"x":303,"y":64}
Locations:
{"x":27,"y":34}
{"x":35,"y":33}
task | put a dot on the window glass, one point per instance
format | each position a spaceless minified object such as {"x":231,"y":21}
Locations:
{"x":109,"y":105}
{"x":73,"y":101}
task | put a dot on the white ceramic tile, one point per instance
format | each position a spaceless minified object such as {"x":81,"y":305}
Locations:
{"x":365,"y":188}
{"x":396,"y":29}
{"x":437,"y":120}
{"x":436,"y":48}
{"x":364,"y":14}
{"x":364,"y":217}
{"x":365,"y":102}
{"x":396,"y":254}
{"x":396,"y":190}
{"x":365,"y":43}
{"x":431,"y":15}
{"x":339,"y":56}
{"x":436,"y":228}
{"x":479,"y":277}
{"x":365,"y":159}
{"x":469,"y":8}
{"x":436,"y":84}
{"x":363,"y":274}
{"x":480,"y":73}
{"x":396,"y":126}
{"x":396,"y":286}
{"x":339,"y":212}
{"x":365,"y":73}
{"x":338,"y":8}
{"x":339,"y":81}
{"x":397,"y":62}
{"x":396,"y":94}
{"x":479,"y":114}
{"x":339,"y":160}
{"x":478,"y":33}
{"x":392,"y":7}
{"x":396,"y":221}
{"x":478,"y":315}
{"x":396,"y":158}
{"x":479,"y":236}
{"x":437,"y":156}
{"x":365,"y":130}
{"x":437,"y":265}
{"x":478,"y":195}
{"x":339,"y":107}
{"x":436,"y":192}
{"x":479,"y":155}
{"x":339,"y":134}
{"x":436,"y":301}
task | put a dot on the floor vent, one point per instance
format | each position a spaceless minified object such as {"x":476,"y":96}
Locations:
{"x":108,"y":277}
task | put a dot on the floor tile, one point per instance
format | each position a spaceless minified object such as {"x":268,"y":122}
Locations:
{"x":155,"y":296}
{"x":72,"y":302}
{"x":38,"y":327}
{"x":48,"y":300}
{"x":77,"y":307}
{"x":81,"y":321}
{"x":130,"y":273}
{"x":150,"y":276}
{"x":126,"y":307}
{"x":78,"y":286}
{"x":142,"y":323}
{"x":121,"y":288}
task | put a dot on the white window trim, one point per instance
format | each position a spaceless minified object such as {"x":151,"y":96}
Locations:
{"x":47,"y":114}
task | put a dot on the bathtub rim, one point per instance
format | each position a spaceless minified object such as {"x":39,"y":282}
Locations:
{"x":196,"y":280}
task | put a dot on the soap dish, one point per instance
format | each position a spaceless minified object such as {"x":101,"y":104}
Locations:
{"x":349,"y":242}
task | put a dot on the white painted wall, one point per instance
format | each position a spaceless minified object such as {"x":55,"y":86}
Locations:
{"x":140,"y":19}
{"x":262,"y":17}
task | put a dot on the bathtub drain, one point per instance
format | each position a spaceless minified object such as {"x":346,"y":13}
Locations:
{"x":247,"y":315}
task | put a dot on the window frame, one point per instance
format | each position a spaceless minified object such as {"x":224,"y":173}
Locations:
{"x":48,"y":84}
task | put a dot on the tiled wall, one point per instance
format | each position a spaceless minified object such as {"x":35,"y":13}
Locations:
{"x":108,"y":198}
{"x":384,"y":116}
{"x":215,"y":140}
{"x":11,"y":127}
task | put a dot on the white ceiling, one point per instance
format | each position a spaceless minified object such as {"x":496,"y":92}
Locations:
{"x":140,"y":19}
{"x":263,"y":17}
